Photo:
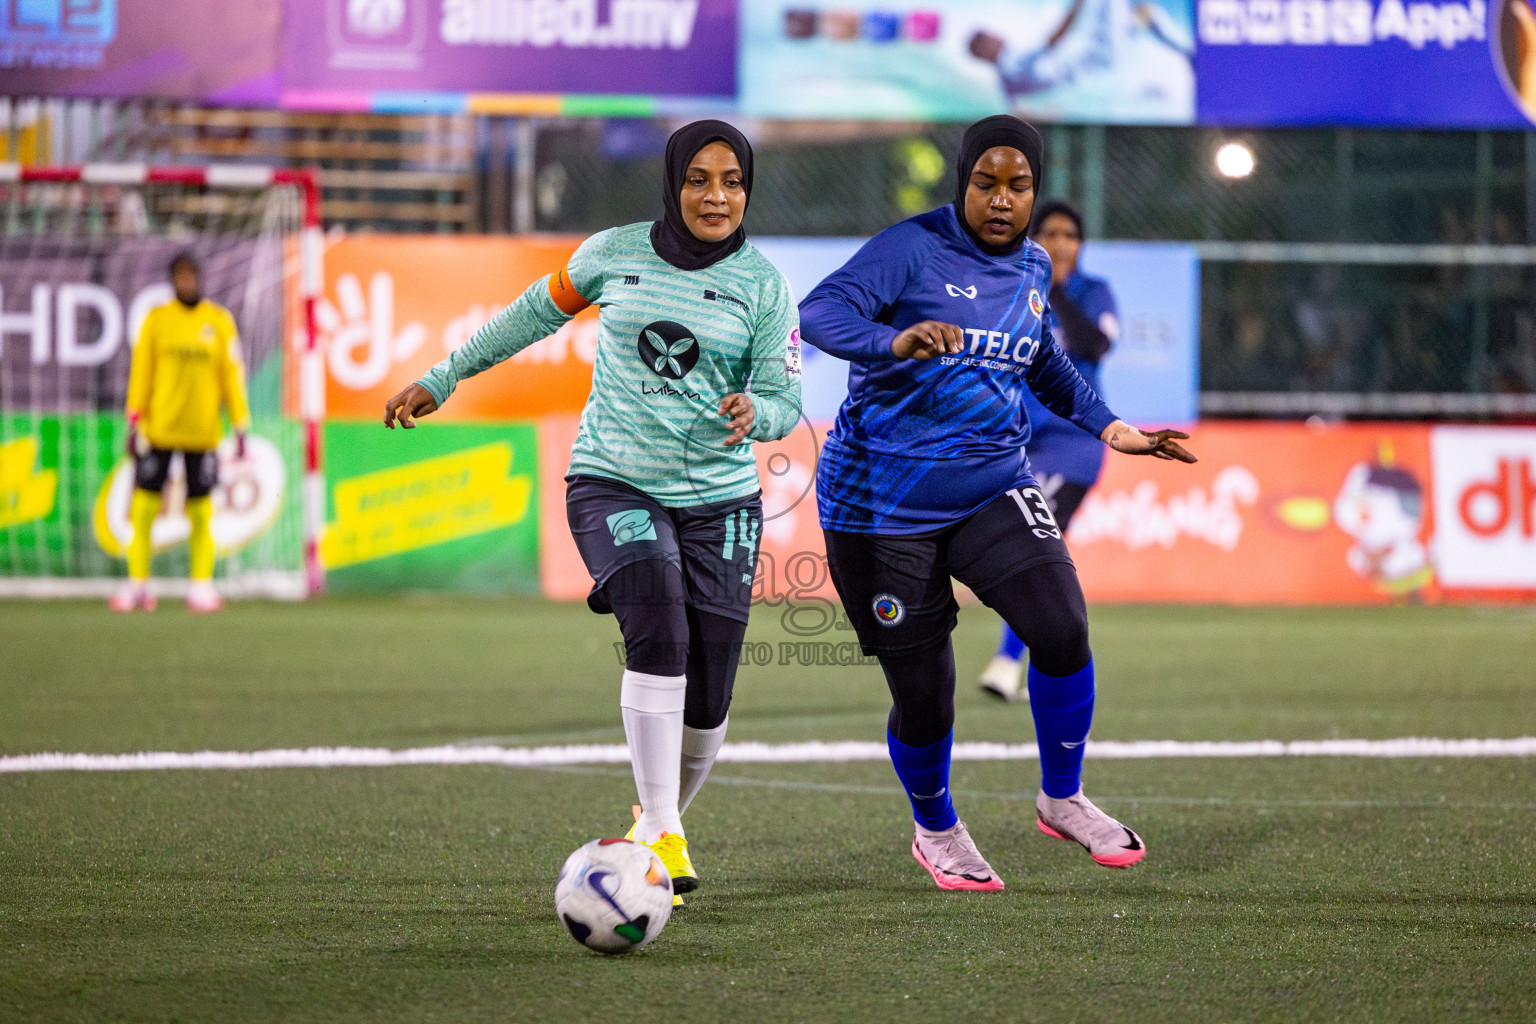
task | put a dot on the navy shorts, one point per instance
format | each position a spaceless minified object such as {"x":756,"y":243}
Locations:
{"x":715,"y":546}
{"x":150,"y":471}
{"x":896,"y":589}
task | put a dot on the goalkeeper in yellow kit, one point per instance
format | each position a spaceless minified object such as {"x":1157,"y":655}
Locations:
{"x":186,"y":371}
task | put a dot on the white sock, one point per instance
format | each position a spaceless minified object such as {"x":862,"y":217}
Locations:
{"x":700,"y":746}
{"x":653,"y":724}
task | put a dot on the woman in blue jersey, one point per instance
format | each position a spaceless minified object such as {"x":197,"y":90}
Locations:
{"x":924,"y":478}
{"x":698,"y":354}
{"x":1066,"y":460}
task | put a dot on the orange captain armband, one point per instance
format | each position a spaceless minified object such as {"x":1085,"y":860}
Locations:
{"x":566,"y":298}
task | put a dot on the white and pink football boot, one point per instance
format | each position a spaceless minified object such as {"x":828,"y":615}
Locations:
{"x":952,"y":859}
{"x":202,"y":599}
{"x":134,"y":596}
{"x":1107,"y":841}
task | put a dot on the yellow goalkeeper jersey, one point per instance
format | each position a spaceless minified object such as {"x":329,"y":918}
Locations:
{"x":186,"y":368}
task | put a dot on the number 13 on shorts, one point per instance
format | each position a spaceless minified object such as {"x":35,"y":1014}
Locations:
{"x":1036,"y":510}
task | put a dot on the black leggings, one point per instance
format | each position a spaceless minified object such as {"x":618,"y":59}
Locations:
{"x":666,"y":636}
{"x":1043,"y":604}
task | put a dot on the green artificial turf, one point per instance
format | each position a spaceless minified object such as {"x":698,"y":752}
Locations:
{"x":1292,"y":889}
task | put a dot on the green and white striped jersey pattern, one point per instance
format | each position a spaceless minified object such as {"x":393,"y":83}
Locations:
{"x":671,"y":344}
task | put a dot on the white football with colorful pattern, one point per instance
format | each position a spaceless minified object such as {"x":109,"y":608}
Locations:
{"x":613,"y":895}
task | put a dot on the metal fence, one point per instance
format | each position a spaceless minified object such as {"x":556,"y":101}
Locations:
{"x":1353,"y":273}
{"x":1392,"y":187}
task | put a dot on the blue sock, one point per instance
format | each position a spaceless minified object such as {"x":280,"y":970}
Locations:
{"x":1010,"y":646}
{"x":924,"y":773}
{"x":1063,"y":709}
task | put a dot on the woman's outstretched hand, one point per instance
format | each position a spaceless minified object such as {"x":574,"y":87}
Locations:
{"x":414,"y":401}
{"x":928,"y":339}
{"x":1162,"y":444}
{"x":739,"y":408}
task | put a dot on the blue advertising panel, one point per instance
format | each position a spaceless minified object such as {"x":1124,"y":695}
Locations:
{"x":1151,"y":376}
{"x":1386,"y":63}
{"x":804,"y":262}
{"x":1087,"y":61}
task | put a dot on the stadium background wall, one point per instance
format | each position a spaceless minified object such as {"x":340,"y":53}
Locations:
{"x":1276,"y":512}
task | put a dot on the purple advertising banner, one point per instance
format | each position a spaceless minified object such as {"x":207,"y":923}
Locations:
{"x":223,"y":53}
{"x":613,"y":47}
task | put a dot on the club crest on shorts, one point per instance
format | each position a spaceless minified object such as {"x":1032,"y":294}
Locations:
{"x":631,"y":525}
{"x":889,"y":611}
{"x":1036,"y":303}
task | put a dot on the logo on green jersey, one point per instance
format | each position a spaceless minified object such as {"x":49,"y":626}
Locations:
{"x":630,"y":525}
{"x":668,"y":349}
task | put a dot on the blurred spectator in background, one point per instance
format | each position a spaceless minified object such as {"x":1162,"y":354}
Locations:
{"x":1330,"y":329}
{"x":1066,"y":459}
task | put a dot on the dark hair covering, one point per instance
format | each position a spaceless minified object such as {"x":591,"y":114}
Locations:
{"x":1055,"y":208}
{"x":989,"y":132}
{"x":670,"y":236}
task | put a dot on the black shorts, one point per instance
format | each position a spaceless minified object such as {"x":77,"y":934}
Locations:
{"x":1064,"y":496}
{"x":896,"y":589}
{"x":150,"y":471}
{"x":714,"y":545}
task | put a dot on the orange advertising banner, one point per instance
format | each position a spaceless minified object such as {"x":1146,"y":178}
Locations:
{"x":395,"y":305}
{"x":1273,"y":513}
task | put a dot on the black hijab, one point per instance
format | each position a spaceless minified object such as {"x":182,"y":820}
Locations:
{"x":670,"y":236}
{"x":998,"y":130}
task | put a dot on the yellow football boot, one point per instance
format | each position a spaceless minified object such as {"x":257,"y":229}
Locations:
{"x":673,"y":851}
{"x":677,"y":900}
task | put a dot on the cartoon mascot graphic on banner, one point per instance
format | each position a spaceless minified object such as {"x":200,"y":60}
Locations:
{"x":1381,"y":506}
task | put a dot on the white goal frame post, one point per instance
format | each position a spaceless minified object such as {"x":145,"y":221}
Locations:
{"x":308,"y":250}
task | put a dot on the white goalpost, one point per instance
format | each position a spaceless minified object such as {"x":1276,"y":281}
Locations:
{"x":84,"y":255}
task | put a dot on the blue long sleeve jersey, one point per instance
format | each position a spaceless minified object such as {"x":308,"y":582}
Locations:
{"x":919,"y":445}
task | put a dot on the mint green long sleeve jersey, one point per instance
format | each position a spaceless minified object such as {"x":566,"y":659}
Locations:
{"x":671,"y":345}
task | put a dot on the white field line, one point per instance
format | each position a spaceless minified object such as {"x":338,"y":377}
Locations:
{"x":743,"y":753}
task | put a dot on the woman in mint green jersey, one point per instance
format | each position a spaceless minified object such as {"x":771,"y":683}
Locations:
{"x":698,"y":355}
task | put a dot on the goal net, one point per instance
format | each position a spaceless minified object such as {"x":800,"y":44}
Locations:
{"x":84,"y":255}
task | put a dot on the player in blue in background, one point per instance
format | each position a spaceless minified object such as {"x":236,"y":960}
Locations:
{"x":924,"y":477}
{"x":1066,"y":459}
